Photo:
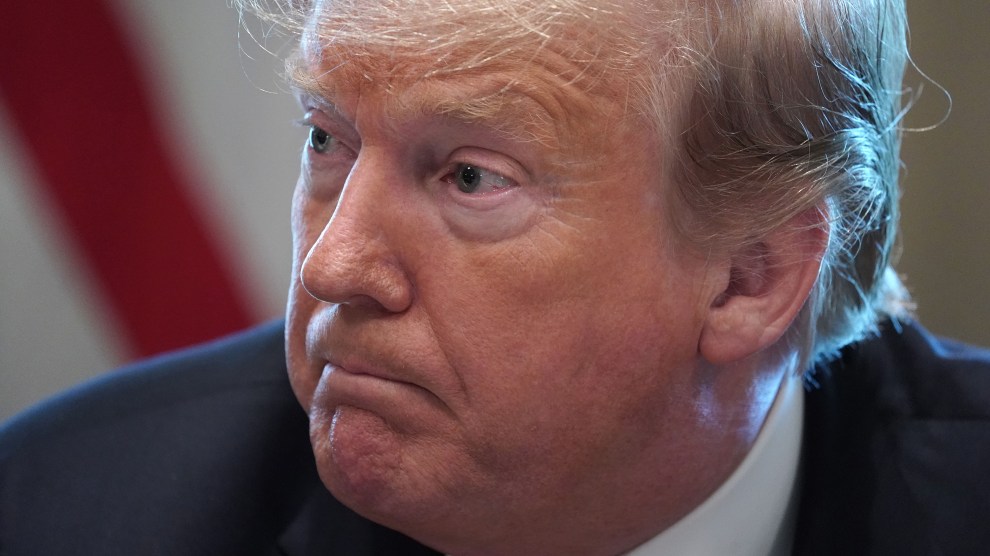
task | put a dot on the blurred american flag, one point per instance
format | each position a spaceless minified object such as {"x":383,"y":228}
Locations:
{"x":146,"y":164}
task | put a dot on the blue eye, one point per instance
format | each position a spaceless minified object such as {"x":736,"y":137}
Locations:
{"x":472,"y":179}
{"x":319,"y":140}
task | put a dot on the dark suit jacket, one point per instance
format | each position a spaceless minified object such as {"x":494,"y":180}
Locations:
{"x":206,"y":452}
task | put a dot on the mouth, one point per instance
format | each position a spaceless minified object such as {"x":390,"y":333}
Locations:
{"x":361,"y":381}
{"x":358,"y":368}
{"x":405,"y":405}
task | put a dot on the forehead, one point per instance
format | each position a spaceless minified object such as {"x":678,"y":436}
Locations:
{"x":404,"y":41}
{"x":488,"y":27}
{"x":533,"y":70}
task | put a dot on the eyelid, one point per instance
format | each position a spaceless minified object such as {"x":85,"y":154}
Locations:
{"x":341,"y":132}
{"x":306,"y":120}
{"x":489,"y":161}
{"x":309,"y":101}
{"x":493,"y":183}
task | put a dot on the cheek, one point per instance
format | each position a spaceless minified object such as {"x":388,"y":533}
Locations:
{"x":302,"y":376}
{"x":558,"y":387}
{"x":301,"y":306}
{"x":541,"y":331}
{"x":306,"y":221}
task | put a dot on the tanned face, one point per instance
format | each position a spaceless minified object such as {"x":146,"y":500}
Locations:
{"x":493,"y":333}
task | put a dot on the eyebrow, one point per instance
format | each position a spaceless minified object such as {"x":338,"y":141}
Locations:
{"x":506,"y":110}
{"x":505,"y":107}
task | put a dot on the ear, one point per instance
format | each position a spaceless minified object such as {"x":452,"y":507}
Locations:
{"x":762,"y":288}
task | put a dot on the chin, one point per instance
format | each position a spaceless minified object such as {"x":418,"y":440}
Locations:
{"x":387,"y":477}
{"x":357,"y":454}
{"x":362,"y":462}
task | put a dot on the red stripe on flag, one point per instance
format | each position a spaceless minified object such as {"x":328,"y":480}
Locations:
{"x":80,"y":103}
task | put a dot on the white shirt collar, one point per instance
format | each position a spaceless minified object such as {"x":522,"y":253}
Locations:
{"x":753,"y":512}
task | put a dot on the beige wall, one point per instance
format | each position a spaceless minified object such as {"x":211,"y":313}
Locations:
{"x":946,"y":203}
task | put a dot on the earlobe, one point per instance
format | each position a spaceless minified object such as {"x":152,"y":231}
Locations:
{"x":762,"y":288}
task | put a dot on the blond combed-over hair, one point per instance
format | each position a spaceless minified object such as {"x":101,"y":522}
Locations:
{"x":766,"y":108}
{"x":796,"y":104}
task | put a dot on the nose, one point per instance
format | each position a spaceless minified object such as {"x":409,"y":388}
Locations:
{"x":353,"y":260}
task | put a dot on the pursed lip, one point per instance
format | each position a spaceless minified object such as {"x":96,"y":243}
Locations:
{"x":355,"y":383}
{"x":355,"y":367}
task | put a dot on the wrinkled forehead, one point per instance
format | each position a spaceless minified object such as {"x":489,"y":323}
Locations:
{"x":402,"y":41}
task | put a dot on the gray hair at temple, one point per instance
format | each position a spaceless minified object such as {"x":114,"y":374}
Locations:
{"x":766,"y":109}
{"x":791,"y":105}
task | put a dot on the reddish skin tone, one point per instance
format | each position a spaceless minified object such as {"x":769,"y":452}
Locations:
{"x":517,"y":369}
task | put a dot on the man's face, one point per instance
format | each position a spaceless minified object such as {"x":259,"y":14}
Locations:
{"x":489,"y":324}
